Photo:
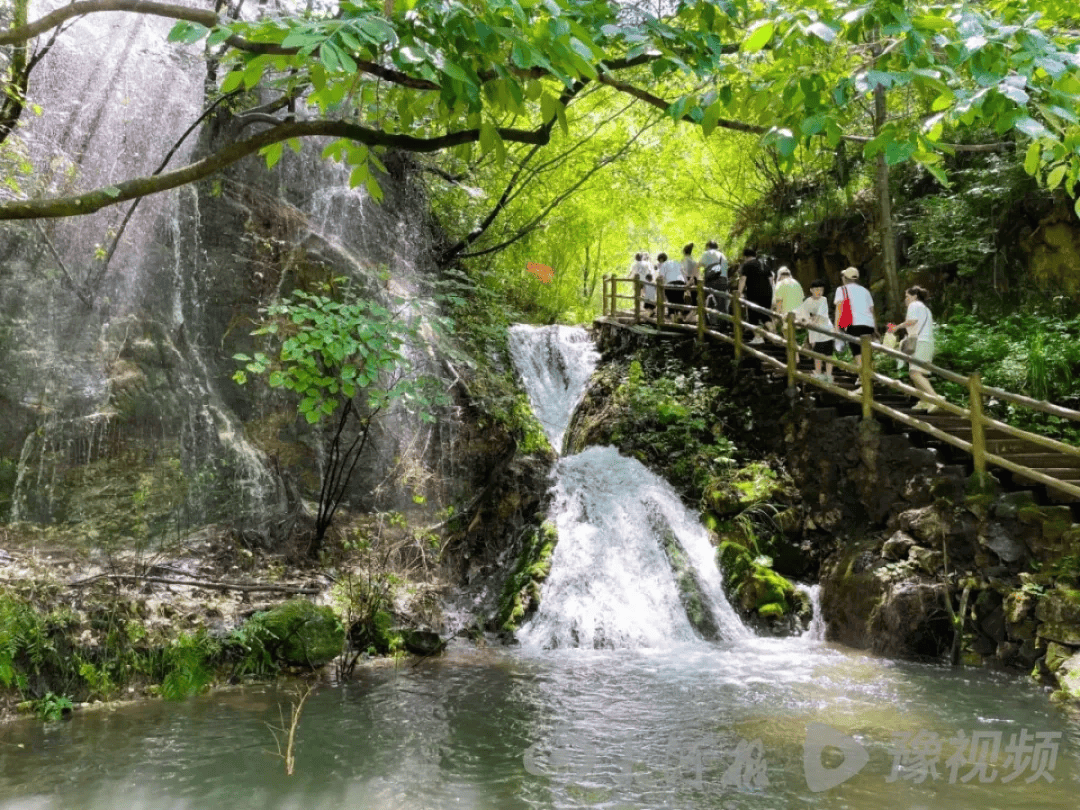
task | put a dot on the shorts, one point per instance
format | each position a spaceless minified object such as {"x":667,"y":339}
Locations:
{"x":649,"y":305}
{"x":674,"y":293}
{"x":924,"y":350}
{"x":855,"y":332}
{"x":825,"y":347}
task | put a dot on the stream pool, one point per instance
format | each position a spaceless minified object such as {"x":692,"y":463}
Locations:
{"x":692,"y":726}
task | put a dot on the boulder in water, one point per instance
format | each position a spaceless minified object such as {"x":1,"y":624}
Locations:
{"x":306,"y":634}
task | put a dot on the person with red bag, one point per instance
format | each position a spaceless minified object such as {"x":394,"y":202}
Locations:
{"x":854,"y":310}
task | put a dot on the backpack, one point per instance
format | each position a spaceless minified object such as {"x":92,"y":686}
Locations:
{"x":714,"y":277}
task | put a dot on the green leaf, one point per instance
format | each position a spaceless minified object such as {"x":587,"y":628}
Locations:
{"x":943,"y":102}
{"x":759,"y":36}
{"x":457,"y":72}
{"x":272,"y":153}
{"x":710,"y":119}
{"x":253,"y":71}
{"x":821,"y":31}
{"x":1031,"y":160}
{"x":547,"y":107}
{"x":1053,"y":180}
{"x":111,"y":191}
{"x":301,"y":37}
{"x":898,"y":152}
{"x":1032,"y":128}
{"x":187,"y":32}
{"x":232,"y":81}
{"x":374,"y":189}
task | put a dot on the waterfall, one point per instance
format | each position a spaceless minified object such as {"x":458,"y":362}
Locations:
{"x":555,"y":363}
{"x":633,"y":566}
{"x":816,"y":630}
{"x":144,"y":352}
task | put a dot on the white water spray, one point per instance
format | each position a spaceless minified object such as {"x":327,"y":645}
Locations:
{"x":620,"y":527}
{"x":555,"y":363}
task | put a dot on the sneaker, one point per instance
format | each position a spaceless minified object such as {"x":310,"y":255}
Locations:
{"x":817,"y":376}
{"x":857,"y":391}
{"x":758,"y":339}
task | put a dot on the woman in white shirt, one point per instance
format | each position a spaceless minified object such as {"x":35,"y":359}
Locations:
{"x":919,"y":323}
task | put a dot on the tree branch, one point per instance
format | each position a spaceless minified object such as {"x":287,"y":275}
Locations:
{"x":140,"y":187}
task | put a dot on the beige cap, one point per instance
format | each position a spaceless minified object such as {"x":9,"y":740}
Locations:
{"x":851,"y":272}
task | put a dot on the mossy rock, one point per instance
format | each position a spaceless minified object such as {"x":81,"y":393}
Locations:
{"x":521,"y":594}
{"x":307,"y":634}
{"x":763,"y":586}
{"x":773,"y":610}
{"x":757,"y":591}
{"x":753,"y":484}
{"x":691,"y":593}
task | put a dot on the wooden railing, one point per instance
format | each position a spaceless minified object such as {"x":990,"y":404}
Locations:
{"x":974,"y":413}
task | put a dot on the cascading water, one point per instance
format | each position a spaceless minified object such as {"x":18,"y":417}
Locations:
{"x":633,"y":567}
{"x":555,"y":363}
{"x":139,"y":346}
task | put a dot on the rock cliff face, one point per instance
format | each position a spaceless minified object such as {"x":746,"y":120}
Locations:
{"x":915,"y":559}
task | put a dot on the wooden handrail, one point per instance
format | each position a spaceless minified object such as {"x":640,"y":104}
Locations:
{"x":974,"y":413}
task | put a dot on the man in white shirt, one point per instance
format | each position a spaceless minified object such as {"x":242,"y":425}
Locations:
{"x":711,"y":257}
{"x":714,"y":270}
{"x":670,"y":271}
{"x":642,"y":270}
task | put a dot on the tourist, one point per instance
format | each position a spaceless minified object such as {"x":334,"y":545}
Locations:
{"x":689,"y":265}
{"x":814,"y":311}
{"x":714,"y":270}
{"x":919,"y":323}
{"x":670,"y":270}
{"x":755,"y":287}
{"x":642,"y":271}
{"x":861,"y":308}
{"x":788,"y":293}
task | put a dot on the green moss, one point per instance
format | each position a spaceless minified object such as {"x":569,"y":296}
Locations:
{"x":751,"y":585}
{"x":306,"y":634}
{"x":521,"y":594}
{"x":773,"y":610}
{"x":690,"y":590}
{"x":754,"y":484}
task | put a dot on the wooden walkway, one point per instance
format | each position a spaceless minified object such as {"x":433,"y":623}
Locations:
{"x":1031,"y":459}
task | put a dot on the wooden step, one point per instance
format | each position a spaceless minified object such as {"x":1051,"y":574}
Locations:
{"x":1009,"y":446}
{"x":1060,"y":473}
{"x":1046,"y":460}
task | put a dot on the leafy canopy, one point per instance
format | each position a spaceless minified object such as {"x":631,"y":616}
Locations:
{"x":465,"y":74}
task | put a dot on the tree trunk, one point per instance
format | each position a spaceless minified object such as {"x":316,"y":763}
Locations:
{"x":885,"y":219}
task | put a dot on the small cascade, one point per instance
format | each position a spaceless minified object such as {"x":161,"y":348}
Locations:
{"x":555,"y":363}
{"x":612,"y":583}
{"x":633,"y":566}
{"x":816,"y":630}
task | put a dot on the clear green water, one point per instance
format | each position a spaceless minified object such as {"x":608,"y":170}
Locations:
{"x":507,"y":729}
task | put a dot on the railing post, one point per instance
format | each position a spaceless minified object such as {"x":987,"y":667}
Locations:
{"x":637,"y":299}
{"x":792,"y":348}
{"x":866,"y":379}
{"x":736,"y":308}
{"x":661,"y":300}
{"x":700,"y":311}
{"x":978,"y":434}
{"x":603,"y":296}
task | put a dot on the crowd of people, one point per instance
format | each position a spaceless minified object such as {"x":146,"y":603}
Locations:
{"x":776,"y":296}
